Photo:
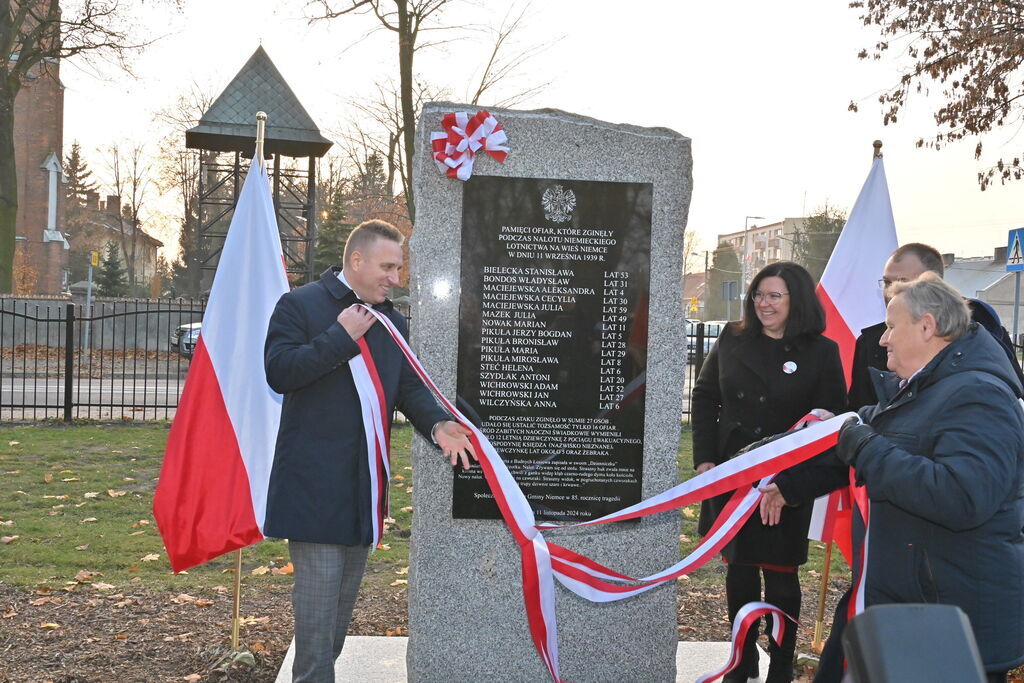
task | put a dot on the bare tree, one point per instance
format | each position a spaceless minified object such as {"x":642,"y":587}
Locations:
{"x":130,"y":179}
{"x":506,"y":60}
{"x":178,"y":172}
{"x":395,"y":111}
{"x":407,"y":19}
{"x":34,"y":36}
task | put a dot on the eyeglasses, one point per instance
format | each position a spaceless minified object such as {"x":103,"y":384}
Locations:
{"x":885,"y":284}
{"x":772,"y":297}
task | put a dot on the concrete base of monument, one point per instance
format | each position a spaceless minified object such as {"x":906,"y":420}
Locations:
{"x":375,"y":659}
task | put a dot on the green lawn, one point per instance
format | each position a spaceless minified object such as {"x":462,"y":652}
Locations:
{"x":79,"y":498}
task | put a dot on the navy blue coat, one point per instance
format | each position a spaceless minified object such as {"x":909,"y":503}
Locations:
{"x":946,"y":482}
{"x":319,"y":484}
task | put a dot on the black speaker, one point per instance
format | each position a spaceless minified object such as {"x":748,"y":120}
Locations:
{"x":910,"y":643}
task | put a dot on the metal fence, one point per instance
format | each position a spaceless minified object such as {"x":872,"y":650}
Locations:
{"x":61,"y":361}
{"x":115,"y":361}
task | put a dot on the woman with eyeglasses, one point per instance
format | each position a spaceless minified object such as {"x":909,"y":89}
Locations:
{"x":763,"y":374}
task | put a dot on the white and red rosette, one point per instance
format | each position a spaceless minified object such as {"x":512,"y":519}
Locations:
{"x":455,"y":147}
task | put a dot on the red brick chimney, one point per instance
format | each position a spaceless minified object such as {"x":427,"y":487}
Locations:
{"x":114,"y":205}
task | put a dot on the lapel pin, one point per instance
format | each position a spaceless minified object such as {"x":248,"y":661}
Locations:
{"x":789,"y":367}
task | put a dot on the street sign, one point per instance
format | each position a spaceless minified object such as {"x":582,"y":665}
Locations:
{"x":693,"y":304}
{"x":94,"y":258}
{"x":1015,"y":250}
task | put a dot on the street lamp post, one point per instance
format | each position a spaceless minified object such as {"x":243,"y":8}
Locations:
{"x":743,"y":267}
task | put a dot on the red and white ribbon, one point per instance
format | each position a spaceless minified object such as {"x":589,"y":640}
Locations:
{"x":542,"y":562}
{"x":455,"y":147}
{"x":745,"y":619}
{"x":377,"y":427}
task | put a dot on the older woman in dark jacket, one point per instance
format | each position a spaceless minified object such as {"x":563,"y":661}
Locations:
{"x":763,"y":374}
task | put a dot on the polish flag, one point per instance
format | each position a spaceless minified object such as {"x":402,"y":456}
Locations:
{"x":852,"y":300}
{"x":212,"y":494}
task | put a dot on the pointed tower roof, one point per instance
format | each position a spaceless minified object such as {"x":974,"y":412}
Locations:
{"x":230,"y":123}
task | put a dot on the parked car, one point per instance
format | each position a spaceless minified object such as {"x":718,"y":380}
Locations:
{"x":185,"y":337}
{"x":711,"y":331}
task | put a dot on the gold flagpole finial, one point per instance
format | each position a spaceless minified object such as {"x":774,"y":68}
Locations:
{"x":261,"y":129}
{"x":878,"y":150}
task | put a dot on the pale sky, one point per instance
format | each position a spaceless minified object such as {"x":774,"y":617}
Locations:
{"x":761,"y":88}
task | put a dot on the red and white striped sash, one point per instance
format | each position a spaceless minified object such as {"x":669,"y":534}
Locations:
{"x":542,"y":562}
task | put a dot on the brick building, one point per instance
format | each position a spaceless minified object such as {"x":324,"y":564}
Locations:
{"x":102,"y":222}
{"x":40,"y":260}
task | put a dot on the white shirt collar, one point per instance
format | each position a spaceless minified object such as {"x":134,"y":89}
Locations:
{"x":341,"y":276}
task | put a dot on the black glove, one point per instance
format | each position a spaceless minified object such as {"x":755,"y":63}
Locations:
{"x":853,"y":435}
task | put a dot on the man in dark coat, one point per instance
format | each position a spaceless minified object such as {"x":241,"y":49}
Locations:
{"x":319,"y":493}
{"x":942,"y":457}
{"x":905,"y":264}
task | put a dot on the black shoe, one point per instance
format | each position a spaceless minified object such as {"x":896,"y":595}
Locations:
{"x":753,"y":675}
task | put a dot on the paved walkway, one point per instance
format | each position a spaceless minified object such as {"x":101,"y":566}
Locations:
{"x":376,"y":659}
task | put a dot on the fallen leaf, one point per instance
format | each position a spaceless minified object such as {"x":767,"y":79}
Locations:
{"x":136,"y":533}
{"x":90,"y":494}
{"x":13,"y":472}
{"x":409,"y":490}
{"x":86,"y":575}
{"x":9,"y":539}
{"x":127,"y":479}
{"x":13,"y":443}
{"x":122,"y":636}
{"x":260,"y":571}
{"x":182,"y":598}
{"x":57,"y":507}
{"x":60,"y":497}
{"x":82,"y":547}
{"x":383,"y":546}
{"x":89,"y":519}
{"x":403,"y":571}
{"x":43,"y":590}
{"x":407,"y":468}
{"x":49,"y":625}
{"x":201,"y":602}
{"x":48,"y":478}
{"x":136,"y":579}
{"x":684,"y":538}
{"x":152,"y":557}
{"x":9,"y":614}
{"x":71,"y":479}
{"x":399,"y":485}
{"x":182,"y":637}
{"x":407,"y":508}
{"x":38,"y":601}
{"x":399,"y":582}
{"x":115,"y":494}
{"x":63,"y":471}
{"x":398,"y":477}
{"x":192,"y":677}
{"x":287,"y":569}
{"x":221,"y":589}
{"x":117,"y":451}
{"x":9,"y":522}
{"x":397,"y":631}
{"x":258,"y":646}
{"x":249,"y":621}
{"x":100,"y":586}
{"x":689,"y":513}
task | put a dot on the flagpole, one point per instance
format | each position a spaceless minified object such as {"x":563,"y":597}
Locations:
{"x":236,"y":602}
{"x":819,"y":623}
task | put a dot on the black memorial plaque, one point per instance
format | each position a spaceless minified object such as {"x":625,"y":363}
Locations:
{"x":553,"y":340}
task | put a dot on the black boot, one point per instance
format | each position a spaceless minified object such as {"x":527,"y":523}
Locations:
{"x":747,"y":669}
{"x":782,"y":589}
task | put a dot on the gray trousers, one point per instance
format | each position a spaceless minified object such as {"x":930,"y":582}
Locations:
{"x":327,"y":581}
